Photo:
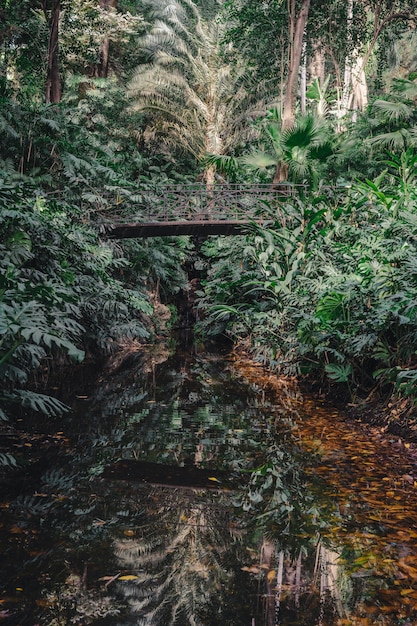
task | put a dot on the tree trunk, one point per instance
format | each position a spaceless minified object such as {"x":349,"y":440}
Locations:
{"x":281,"y":173}
{"x":339,"y":88}
{"x":102,"y":70}
{"x":53,"y":82}
{"x":297,"y":27}
{"x":355,"y":89}
{"x":296,"y":49}
{"x":303,"y":97}
{"x":359,"y":96}
{"x":348,"y":64}
{"x":317,"y":64}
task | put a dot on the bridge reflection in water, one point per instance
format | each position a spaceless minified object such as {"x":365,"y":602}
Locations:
{"x":196,"y":209}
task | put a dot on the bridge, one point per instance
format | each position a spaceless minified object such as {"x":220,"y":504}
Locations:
{"x":198,"y":209}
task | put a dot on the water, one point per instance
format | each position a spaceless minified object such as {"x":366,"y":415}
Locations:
{"x":142,"y":506}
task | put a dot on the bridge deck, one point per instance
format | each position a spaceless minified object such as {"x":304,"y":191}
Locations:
{"x":174,"y":229}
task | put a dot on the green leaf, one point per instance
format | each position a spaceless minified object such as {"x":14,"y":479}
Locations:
{"x":339,"y":373}
{"x":39,"y":402}
{"x":7,"y":460}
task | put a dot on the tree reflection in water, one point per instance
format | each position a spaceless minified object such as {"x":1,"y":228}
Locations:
{"x":250,"y":556}
{"x":186,"y":565}
{"x":98,"y":548}
{"x":186,"y":562}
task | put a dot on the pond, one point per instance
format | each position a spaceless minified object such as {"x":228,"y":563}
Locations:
{"x":192,"y":487}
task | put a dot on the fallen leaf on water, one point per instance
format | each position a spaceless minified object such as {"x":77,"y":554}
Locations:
{"x":407,"y":592}
{"x":411,"y":571}
{"x":251,"y":570}
{"x":362,"y":560}
{"x":271,"y":575}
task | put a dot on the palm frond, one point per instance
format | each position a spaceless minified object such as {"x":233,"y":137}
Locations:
{"x":407,"y":88}
{"x":258,"y":160}
{"x":394,"y":140}
{"x":393,"y":111}
{"x":229,"y":165}
{"x":190,"y":83}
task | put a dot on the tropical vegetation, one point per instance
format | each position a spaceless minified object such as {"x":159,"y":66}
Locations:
{"x":102,"y":102}
{"x":104,"y":105}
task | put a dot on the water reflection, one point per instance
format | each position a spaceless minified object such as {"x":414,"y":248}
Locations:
{"x":185,"y":561}
{"x":244,"y":555}
{"x":256,"y":511}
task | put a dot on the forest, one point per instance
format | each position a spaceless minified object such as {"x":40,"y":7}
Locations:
{"x":104,"y":101}
{"x":203,"y":429}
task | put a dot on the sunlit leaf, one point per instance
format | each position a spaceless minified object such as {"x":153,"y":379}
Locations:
{"x":271,"y":575}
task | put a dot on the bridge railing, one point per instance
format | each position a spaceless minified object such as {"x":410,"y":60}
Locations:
{"x":219,"y":202}
{"x":197,"y":202}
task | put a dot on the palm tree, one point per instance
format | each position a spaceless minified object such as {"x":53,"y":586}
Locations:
{"x":293,"y":154}
{"x":198,"y":99}
{"x":394,"y":122}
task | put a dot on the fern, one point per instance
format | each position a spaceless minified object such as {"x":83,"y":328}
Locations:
{"x":7,"y":459}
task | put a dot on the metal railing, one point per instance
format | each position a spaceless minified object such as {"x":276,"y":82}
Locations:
{"x":196,"y":203}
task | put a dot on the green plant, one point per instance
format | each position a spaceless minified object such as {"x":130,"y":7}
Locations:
{"x":195,"y":92}
{"x":329,"y":287}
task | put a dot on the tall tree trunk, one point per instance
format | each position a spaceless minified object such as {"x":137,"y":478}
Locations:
{"x":303,"y":97}
{"x":296,"y":49}
{"x":348,"y":63}
{"x":53,"y":82}
{"x":102,"y":70}
{"x":339,"y":87}
{"x":297,"y":27}
{"x":317,"y":64}
{"x":355,"y":89}
{"x":359,"y":96}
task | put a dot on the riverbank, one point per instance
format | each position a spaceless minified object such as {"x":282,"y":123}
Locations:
{"x":370,"y":474}
{"x":390,"y":419}
{"x":378,"y":407}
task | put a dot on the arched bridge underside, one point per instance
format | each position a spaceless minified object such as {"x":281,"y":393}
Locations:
{"x":193,"y":210}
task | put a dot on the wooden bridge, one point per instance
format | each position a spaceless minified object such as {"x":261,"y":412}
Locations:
{"x":193,"y":210}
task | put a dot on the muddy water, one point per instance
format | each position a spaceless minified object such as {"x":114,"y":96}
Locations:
{"x":195,"y":489}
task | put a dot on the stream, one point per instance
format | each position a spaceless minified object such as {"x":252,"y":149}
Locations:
{"x":191,"y":487}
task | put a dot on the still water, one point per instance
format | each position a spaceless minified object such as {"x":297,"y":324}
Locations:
{"x":194,"y":489}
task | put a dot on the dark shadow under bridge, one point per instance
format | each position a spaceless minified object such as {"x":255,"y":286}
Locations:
{"x":197,"y":210}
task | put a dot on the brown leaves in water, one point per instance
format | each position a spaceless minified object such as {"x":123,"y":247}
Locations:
{"x":371,"y":478}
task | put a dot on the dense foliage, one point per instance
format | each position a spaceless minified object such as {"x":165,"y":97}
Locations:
{"x":327,"y":287}
{"x":102,"y":102}
{"x":66,"y":291}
